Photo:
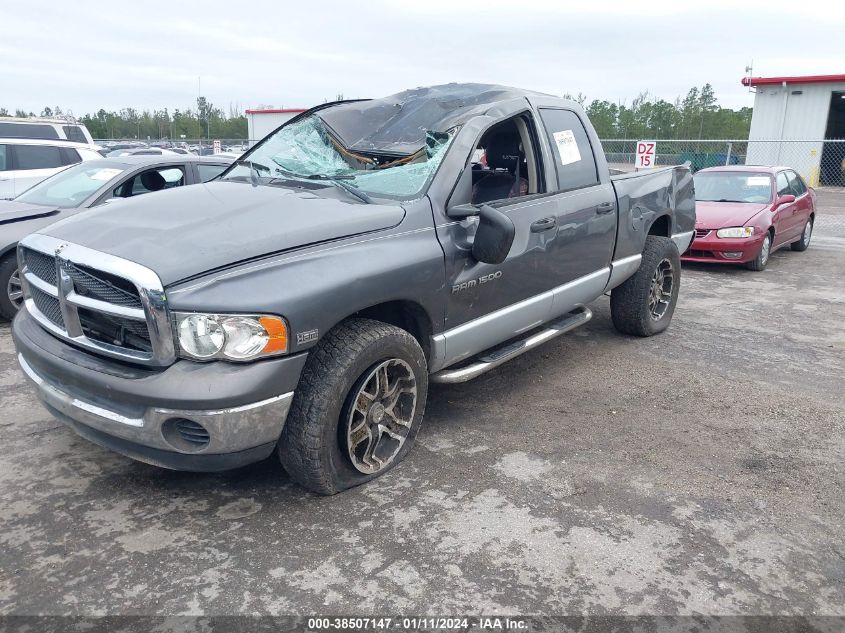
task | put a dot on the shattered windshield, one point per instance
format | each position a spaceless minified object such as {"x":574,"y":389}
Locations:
{"x":307,"y":151}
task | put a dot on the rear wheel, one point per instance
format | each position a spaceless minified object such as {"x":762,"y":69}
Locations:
{"x":644,"y":304}
{"x":11,"y":297}
{"x":802,"y":244}
{"x":358,"y":407}
{"x":759,"y":262}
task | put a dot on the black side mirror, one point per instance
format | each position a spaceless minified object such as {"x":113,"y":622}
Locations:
{"x":493,"y":237}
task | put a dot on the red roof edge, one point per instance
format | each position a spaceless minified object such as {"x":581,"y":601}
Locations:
{"x":807,"y":79}
{"x":277,"y":111}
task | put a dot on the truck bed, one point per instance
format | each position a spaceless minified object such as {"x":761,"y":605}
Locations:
{"x":645,"y":195}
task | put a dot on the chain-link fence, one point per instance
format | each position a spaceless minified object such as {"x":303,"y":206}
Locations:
{"x":820,"y":162}
{"x":200,"y":146}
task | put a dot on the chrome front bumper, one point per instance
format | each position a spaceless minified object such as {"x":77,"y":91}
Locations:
{"x":231,"y":430}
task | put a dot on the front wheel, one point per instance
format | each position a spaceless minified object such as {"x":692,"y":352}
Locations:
{"x":11,"y":297}
{"x":759,"y":262}
{"x":358,"y":406}
{"x":644,"y":304}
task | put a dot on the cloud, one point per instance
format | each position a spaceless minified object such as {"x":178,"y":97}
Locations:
{"x":87,"y":55}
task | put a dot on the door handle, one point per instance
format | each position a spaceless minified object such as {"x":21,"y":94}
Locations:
{"x":543,"y":225}
{"x":605,"y":207}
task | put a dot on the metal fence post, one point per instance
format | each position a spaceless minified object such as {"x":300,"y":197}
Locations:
{"x":728,"y":154}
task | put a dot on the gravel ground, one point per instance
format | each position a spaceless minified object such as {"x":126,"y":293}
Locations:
{"x":700,"y":471}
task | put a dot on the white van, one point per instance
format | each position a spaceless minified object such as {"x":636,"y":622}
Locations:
{"x":26,"y":162}
{"x":67,"y":129}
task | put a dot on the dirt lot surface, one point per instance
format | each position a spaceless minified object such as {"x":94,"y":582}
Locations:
{"x":701,"y":471}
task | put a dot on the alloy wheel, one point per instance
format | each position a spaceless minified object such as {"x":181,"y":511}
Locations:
{"x":660,"y":292}
{"x":381,"y":416}
{"x":14,"y":290}
{"x":808,"y":232}
{"x":765,"y":249}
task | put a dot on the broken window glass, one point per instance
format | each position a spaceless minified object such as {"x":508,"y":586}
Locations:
{"x":307,"y":149}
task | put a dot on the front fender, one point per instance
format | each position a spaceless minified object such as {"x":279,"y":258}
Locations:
{"x":315,"y":288}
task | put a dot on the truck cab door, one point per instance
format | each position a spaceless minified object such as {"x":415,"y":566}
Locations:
{"x":585,"y":204}
{"x":546,"y":269}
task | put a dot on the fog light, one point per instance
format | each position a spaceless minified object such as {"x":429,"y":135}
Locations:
{"x":186,"y":436}
{"x":732,"y":254}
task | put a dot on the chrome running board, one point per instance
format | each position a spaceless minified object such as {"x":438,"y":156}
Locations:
{"x":494,"y":357}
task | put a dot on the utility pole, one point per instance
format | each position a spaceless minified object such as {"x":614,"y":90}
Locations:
{"x":199,"y":123}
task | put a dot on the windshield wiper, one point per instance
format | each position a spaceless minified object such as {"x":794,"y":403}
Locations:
{"x":253,"y":169}
{"x":253,"y":164}
{"x":337,"y":181}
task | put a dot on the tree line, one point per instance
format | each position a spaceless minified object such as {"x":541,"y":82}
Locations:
{"x":695,"y":116}
{"x":206,"y":121}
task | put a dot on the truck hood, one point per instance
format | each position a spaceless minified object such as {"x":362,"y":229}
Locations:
{"x":11,"y":211}
{"x":718,"y":215}
{"x":190,"y":230}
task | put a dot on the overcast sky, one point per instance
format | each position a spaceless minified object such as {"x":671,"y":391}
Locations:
{"x":86,"y":55}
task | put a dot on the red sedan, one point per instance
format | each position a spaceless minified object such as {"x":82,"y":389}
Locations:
{"x":745,"y":213}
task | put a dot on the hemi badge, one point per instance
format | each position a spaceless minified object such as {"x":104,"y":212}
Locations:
{"x":307,"y":337}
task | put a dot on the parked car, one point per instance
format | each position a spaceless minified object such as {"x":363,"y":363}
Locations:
{"x":26,"y":162}
{"x":51,"y":129}
{"x":141,"y":151}
{"x":82,"y":187}
{"x":302,"y":301}
{"x":745,"y":213}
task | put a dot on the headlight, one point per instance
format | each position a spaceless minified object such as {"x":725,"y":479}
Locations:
{"x":230,"y":336}
{"x":736,"y":231}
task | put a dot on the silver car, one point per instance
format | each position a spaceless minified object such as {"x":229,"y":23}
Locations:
{"x":81,"y":187}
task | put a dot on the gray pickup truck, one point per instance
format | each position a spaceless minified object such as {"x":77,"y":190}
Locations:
{"x":302,"y":302}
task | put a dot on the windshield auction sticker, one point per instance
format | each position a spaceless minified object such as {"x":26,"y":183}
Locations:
{"x":567,"y":147}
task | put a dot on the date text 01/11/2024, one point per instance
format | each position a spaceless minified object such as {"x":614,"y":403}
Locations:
{"x":418,"y":623}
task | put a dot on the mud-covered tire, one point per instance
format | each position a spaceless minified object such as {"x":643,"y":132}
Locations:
{"x":8,"y":268}
{"x":760,"y":262}
{"x":313,"y":447}
{"x":629,"y":302}
{"x":806,"y":235}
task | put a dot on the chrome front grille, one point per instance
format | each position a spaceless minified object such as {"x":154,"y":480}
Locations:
{"x":103,"y":303}
{"x":44,"y":266}
{"x":48,"y":306}
{"x":102,"y":286}
{"x":702,"y":232}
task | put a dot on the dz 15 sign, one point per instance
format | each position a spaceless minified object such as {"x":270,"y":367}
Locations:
{"x":645,"y":154}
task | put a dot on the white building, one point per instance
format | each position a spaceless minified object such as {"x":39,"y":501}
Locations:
{"x":792,"y":119}
{"x":261,"y":122}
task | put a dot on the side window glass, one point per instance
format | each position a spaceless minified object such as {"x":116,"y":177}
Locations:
{"x":504,"y":164}
{"x":38,"y":157}
{"x":70,"y":156}
{"x":74,"y":133}
{"x":151,"y":180}
{"x":572,"y":153}
{"x":207,"y":172}
{"x":3,"y":160}
{"x":783,"y":184}
{"x":796,"y":184}
{"x":27,"y":130}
